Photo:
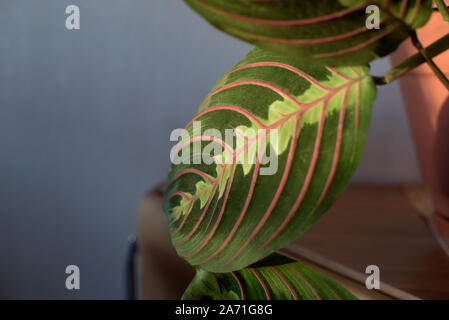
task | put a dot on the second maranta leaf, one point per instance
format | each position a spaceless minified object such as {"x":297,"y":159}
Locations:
{"x":331,"y":31}
{"x":274,"y":278}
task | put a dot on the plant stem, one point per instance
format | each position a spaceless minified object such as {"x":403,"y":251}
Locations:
{"x":414,"y":61}
{"x":443,"y":9}
{"x":429,"y":60}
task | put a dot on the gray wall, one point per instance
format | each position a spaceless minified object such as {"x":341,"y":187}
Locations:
{"x":85,"y":118}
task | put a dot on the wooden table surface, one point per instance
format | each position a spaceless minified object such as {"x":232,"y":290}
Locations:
{"x":368,"y":225}
{"x":377,"y":225}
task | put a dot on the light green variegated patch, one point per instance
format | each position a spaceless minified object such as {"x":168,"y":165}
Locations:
{"x":275,"y":278}
{"x":182,"y":208}
{"x":204,"y":191}
{"x":313,"y":121}
{"x":334,"y":32}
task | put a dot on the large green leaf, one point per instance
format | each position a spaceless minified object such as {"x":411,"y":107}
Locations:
{"x":333,"y":31}
{"x":274,"y":278}
{"x":226,"y":215}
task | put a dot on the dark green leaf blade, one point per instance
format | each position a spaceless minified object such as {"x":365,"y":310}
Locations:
{"x":224,"y":217}
{"x":331,"y":31}
{"x":275,"y":278}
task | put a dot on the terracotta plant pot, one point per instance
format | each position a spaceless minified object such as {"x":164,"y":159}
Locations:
{"x":427,"y":104}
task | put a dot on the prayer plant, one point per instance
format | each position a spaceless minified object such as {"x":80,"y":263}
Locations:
{"x":302,"y":97}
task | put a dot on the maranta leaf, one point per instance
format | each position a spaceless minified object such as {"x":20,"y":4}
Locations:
{"x":275,"y":278}
{"x":310,"y":120}
{"x":332,"y":31}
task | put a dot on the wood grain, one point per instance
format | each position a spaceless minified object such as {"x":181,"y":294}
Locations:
{"x":378,"y":225}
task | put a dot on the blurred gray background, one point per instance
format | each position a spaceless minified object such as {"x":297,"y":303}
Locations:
{"x":85,"y":118}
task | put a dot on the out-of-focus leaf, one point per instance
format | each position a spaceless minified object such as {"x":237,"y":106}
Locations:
{"x":274,"y":278}
{"x":331,"y":31}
